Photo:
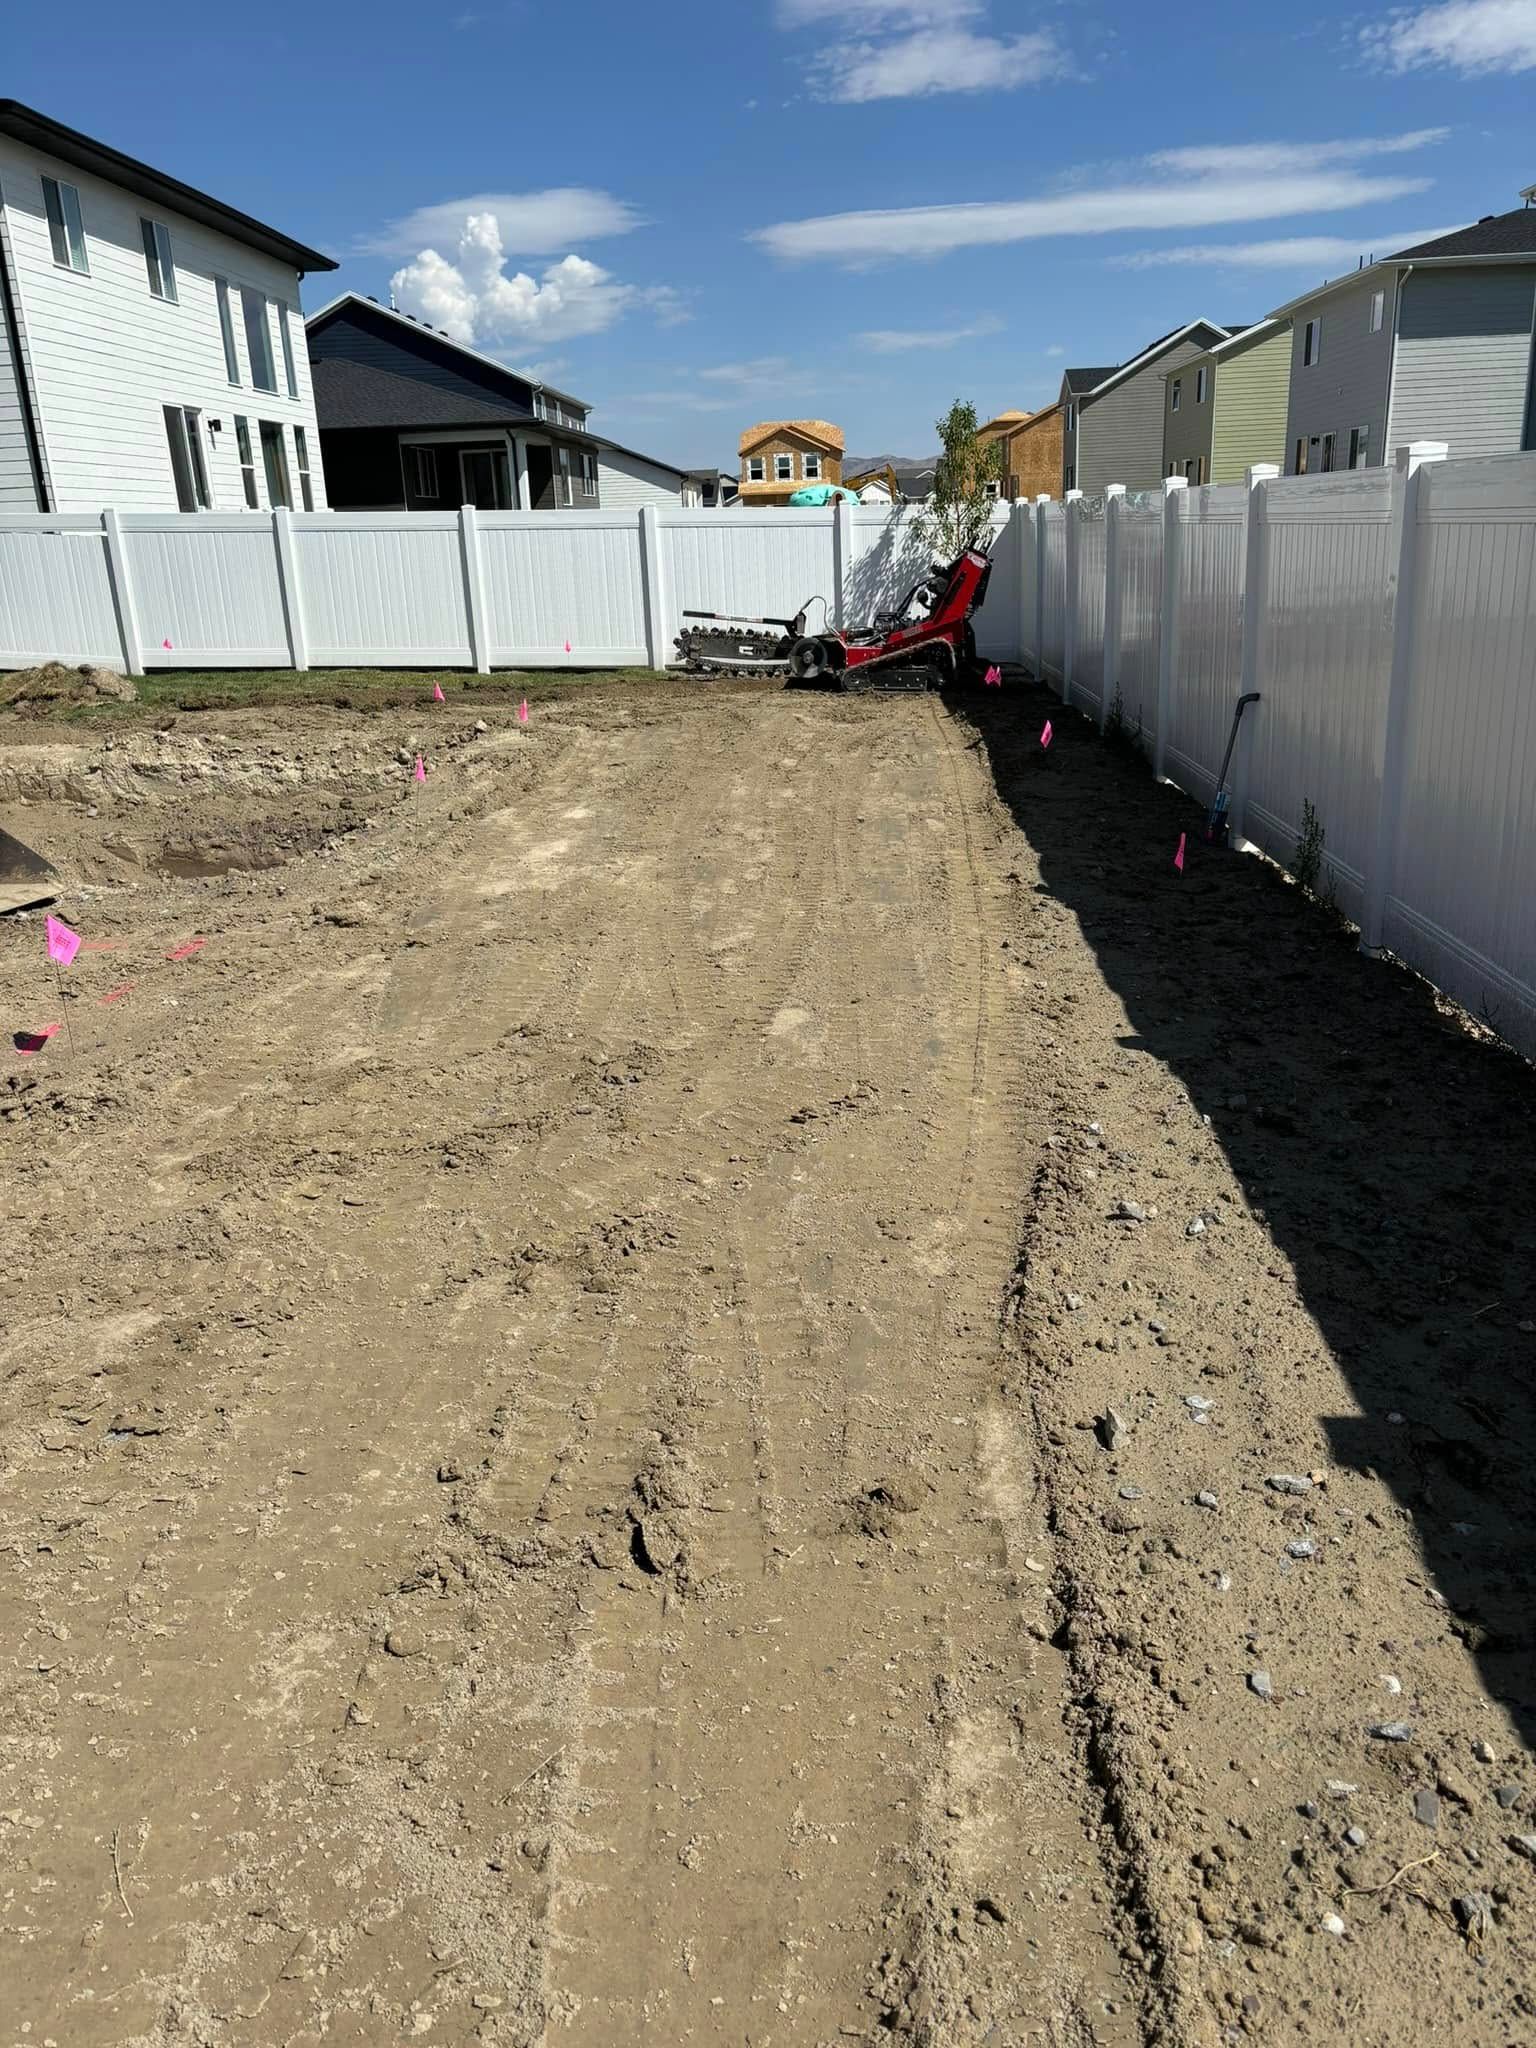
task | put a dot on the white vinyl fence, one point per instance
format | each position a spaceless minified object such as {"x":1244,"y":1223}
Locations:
{"x":444,"y":589}
{"x":1387,"y":620}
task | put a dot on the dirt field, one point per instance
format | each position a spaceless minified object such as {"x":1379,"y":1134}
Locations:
{"x":645,"y":1403}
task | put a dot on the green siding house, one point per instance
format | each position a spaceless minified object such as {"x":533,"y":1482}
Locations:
{"x":1226,"y":409}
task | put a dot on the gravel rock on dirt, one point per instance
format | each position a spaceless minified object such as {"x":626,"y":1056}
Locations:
{"x":557,"y":1479}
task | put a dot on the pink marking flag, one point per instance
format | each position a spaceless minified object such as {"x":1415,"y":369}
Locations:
{"x":27,"y":1042}
{"x":1178,"y":858}
{"x":63,"y":944}
{"x":995,"y":674}
{"x":522,"y":712}
{"x":165,"y":643}
{"x":420,"y":770}
{"x":186,"y":949}
{"x":437,"y":694}
{"x":115,"y":995}
{"x":1045,"y":734}
{"x":567,"y":646}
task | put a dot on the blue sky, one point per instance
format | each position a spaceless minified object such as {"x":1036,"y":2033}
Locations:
{"x":701,"y":213}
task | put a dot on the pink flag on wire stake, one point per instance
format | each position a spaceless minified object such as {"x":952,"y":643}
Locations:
{"x":567,"y":646}
{"x":995,"y":675}
{"x":437,"y":694}
{"x":165,"y":643}
{"x":522,"y":712}
{"x":420,"y":770}
{"x":28,"y":1042}
{"x":63,"y":944}
{"x":1045,"y":734}
{"x":1178,"y":858}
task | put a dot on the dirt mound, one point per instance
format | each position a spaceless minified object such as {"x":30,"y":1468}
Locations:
{"x":32,"y":691}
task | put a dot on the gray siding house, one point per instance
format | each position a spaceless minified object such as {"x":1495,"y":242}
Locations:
{"x":1075,"y":385}
{"x":1433,"y":343}
{"x":1118,"y":434}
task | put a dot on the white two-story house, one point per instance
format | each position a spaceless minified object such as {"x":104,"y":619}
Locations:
{"x":152,"y":351}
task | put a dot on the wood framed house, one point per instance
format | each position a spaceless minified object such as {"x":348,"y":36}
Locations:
{"x":1032,"y":466}
{"x":778,"y":457}
{"x":151,"y":343}
{"x":1226,"y":408}
{"x":1114,"y":428}
{"x":1433,"y":343}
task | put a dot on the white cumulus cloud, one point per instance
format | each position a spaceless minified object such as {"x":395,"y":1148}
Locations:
{"x":529,"y":223}
{"x":475,"y":300}
{"x":1473,"y":37}
{"x":890,"y":341}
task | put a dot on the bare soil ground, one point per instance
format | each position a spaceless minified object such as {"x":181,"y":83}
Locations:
{"x":556,"y":1386}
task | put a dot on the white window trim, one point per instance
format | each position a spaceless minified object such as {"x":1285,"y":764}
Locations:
{"x":1200,"y":385}
{"x":1176,"y":390}
{"x":783,"y":469}
{"x":165,"y":260}
{"x":247,"y":294}
{"x":811,"y":468}
{"x":221,"y":291}
{"x":1378,"y":311}
{"x":245,"y":456}
{"x":1312,"y":343}
{"x":290,"y":371}
{"x":756,"y":471}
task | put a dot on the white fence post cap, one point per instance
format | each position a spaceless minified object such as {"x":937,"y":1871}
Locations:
{"x":1043,"y":498}
{"x":1416,"y":452}
{"x":1261,"y":472}
{"x":1114,"y":490}
{"x":1174,"y":483}
{"x":1071,"y":497}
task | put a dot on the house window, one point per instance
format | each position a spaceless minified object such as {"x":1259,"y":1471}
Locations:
{"x":1178,"y":385}
{"x":588,"y":474}
{"x":1071,"y":419}
{"x":421,"y":464}
{"x":306,"y":488}
{"x":157,"y":258}
{"x":1301,"y":454}
{"x":247,"y":460}
{"x":282,"y":330}
{"x":1359,"y":447}
{"x":258,"y":342}
{"x":64,"y":225}
{"x":227,"y":330}
{"x":1071,"y":482}
{"x":754,"y":469}
{"x":811,"y":464}
{"x":1328,"y":441}
{"x":563,"y":458}
{"x":1200,"y":385}
{"x":1378,"y":310}
{"x":184,"y":438}
{"x":783,"y":469}
{"x":1312,"y":343}
{"x":274,"y":459}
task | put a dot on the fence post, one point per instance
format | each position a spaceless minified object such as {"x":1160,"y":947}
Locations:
{"x":122,"y":592}
{"x":651,"y":583}
{"x":474,"y":590}
{"x":842,"y":557}
{"x":1072,"y":543}
{"x":1042,"y":500}
{"x":1174,"y":488}
{"x":288,"y":586}
{"x":1114,"y":510}
{"x":1391,"y":739}
{"x":1255,"y":610}
{"x":1025,"y":541}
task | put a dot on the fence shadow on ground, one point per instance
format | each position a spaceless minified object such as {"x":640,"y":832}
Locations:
{"x":1391,"y":1153}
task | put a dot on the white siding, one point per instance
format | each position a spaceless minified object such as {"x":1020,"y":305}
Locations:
{"x":1463,"y":367}
{"x":107,"y":355}
{"x":624,"y":481}
{"x":17,"y":492}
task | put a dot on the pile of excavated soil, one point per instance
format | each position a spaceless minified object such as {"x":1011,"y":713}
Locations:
{"x":734,"y":1373}
{"x":40,"y":692}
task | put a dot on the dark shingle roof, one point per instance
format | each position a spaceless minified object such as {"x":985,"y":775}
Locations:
{"x":349,"y":394}
{"x":1501,"y":234}
{"x":1085,"y":380}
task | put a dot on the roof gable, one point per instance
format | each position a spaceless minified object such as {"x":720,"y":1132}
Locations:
{"x":1150,"y":355}
{"x":821,"y":432}
{"x":1497,"y":234}
{"x":41,"y":132}
{"x":425,"y":342}
{"x":381,"y":371}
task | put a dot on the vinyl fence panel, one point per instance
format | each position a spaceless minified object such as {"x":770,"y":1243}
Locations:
{"x":1087,"y":600}
{"x":1461,"y":898}
{"x":1210,"y":633}
{"x":1054,"y":618}
{"x":56,"y":591}
{"x":573,"y":580}
{"x":382,"y":589}
{"x":1141,"y":608}
{"x":1324,"y":656}
{"x":209,"y":587}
